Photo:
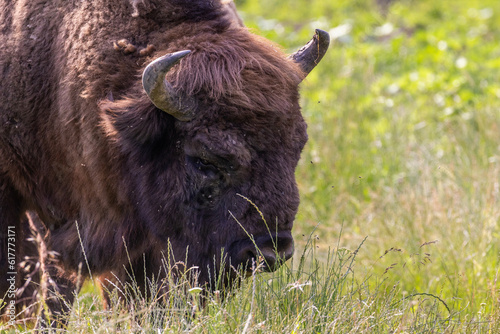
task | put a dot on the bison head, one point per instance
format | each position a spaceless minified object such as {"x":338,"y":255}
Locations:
{"x":212,"y":149}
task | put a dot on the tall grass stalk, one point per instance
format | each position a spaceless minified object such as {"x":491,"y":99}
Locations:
{"x":303,"y":296}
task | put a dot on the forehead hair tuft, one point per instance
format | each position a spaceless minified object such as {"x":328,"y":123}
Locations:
{"x":236,"y":67}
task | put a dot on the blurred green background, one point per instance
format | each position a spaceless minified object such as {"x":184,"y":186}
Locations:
{"x":404,"y":140}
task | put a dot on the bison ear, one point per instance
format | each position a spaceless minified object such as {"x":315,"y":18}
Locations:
{"x":161,"y":92}
{"x":310,"y":54}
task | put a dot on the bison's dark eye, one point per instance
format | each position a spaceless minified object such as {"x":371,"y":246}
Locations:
{"x":203,"y":165}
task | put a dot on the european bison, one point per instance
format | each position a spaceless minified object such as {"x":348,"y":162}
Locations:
{"x":130,"y":129}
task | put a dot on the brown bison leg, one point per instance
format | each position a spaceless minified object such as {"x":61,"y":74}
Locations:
{"x":127,"y":285}
{"x":113,"y":283}
{"x":37,"y":278}
{"x":59,"y":296}
{"x":44,"y":280}
{"x":11,"y":239}
{"x":130,"y":281}
{"x":28,"y":270}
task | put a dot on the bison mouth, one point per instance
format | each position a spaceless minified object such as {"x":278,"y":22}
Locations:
{"x":262,"y":253}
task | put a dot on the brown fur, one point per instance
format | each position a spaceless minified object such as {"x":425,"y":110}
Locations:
{"x":118,"y":177}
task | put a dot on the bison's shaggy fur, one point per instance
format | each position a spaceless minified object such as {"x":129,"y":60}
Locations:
{"x":84,"y":151}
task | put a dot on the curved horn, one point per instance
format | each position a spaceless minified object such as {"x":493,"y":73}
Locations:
{"x":311,"y":53}
{"x":161,"y":93}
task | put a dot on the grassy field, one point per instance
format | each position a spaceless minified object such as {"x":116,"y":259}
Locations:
{"x":399,"y":224}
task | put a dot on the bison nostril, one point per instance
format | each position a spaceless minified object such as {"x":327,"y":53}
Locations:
{"x":270,"y":258}
{"x":251,"y":255}
{"x":267,"y":251}
{"x":287,"y":251}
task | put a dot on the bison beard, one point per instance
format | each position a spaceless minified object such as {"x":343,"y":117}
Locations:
{"x":194,"y":163}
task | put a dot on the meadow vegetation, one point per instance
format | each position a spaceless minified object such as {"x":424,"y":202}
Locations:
{"x":399,"y":224}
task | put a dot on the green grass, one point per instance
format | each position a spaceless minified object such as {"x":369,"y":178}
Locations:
{"x":399,"y":221}
{"x":304,"y":296}
{"x":404,"y":146}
